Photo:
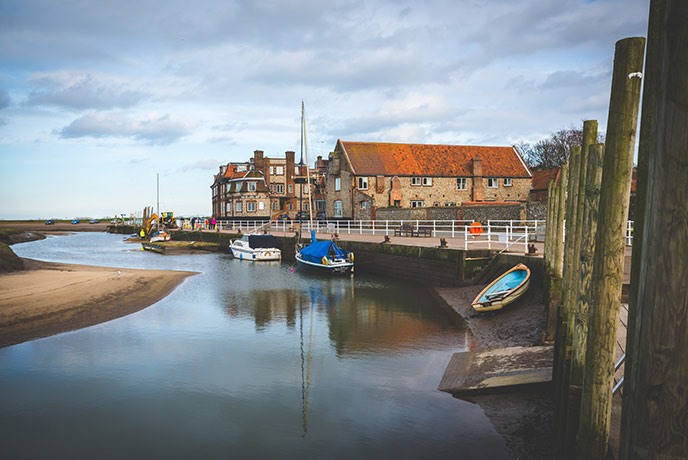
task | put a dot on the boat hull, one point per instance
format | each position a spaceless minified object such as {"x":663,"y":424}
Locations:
{"x":256,"y":255}
{"x":330,"y":269}
{"x":153,"y":248}
{"x":509,"y":297}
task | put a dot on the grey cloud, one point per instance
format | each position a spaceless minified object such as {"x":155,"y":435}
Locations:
{"x":155,"y":129}
{"x":82,"y":92}
{"x":4,"y":98}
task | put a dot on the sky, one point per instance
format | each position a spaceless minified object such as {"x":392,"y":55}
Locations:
{"x":98,"y":98}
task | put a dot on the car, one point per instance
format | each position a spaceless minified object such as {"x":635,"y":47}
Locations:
{"x":94,"y":221}
{"x":283,"y":218}
{"x":50,"y":222}
{"x":320,"y":215}
{"x":76,"y":221}
{"x":303,"y":214}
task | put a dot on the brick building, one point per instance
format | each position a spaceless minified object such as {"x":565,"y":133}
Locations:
{"x":263,"y":187}
{"x":365,"y":176}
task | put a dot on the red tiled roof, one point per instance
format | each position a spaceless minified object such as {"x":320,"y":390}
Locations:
{"x":376,"y":158}
{"x":542,"y":177}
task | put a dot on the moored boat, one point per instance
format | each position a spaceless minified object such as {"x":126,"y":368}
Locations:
{"x":256,"y":247}
{"x":504,"y":290}
{"x":153,"y":247}
{"x":325,"y":257}
{"x":160,"y":236}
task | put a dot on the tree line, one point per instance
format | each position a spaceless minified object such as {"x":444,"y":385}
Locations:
{"x":552,"y":152}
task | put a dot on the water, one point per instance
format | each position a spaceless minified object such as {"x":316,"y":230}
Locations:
{"x":245,"y":360}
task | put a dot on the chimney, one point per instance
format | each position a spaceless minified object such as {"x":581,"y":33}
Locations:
{"x":478,"y":190}
{"x":258,"y":159}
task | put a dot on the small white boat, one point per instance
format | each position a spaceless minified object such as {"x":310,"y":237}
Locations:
{"x":504,"y":290}
{"x":256,"y":247}
{"x":160,"y":236}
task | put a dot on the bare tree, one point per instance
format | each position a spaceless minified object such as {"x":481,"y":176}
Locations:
{"x":553,"y":151}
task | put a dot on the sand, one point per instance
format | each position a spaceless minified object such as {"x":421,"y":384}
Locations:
{"x":49,"y":298}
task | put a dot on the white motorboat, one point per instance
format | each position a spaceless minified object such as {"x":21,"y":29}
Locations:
{"x":256,"y":247}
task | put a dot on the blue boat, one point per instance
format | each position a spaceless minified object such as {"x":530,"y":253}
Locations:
{"x":325,"y":257}
{"x":504,"y":290}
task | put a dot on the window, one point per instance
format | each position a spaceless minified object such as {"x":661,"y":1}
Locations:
{"x":436,"y":204}
{"x":363,"y":184}
{"x":427,"y":181}
{"x":305,"y":206}
{"x":450,"y":205}
{"x":337,"y":184}
{"x":241,"y":168}
{"x":272,"y":188}
{"x":397,"y":203}
{"x":238,"y":206}
{"x":291,"y":206}
{"x":279,"y":170}
{"x":251,"y":186}
{"x":492,"y":182}
{"x":229,"y":208}
{"x":508,"y":182}
{"x":291,"y":188}
{"x":296,"y":171}
{"x":461,"y":183}
{"x":338,"y":208}
{"x":272,"y":170}
{"x":415,"y":181}
{"x":275,"y":205}
{"x":279,"y":188}
{"x":250,"y":206}
{"x":261,"y":206}
{"x":364,"y":205}
{"x":416,"y":203}
{"x":319,"y":205}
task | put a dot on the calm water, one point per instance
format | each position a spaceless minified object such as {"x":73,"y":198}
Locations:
{"x":242,"y":361}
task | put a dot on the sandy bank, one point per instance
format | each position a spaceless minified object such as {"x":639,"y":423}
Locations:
{"x":49,"y":298}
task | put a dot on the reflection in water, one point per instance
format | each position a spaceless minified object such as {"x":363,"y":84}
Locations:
{"x":247,"y":359}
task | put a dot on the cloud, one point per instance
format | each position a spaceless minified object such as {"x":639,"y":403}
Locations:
{"x":81,"y":91}
{"x":4,"y":98}
{"x":153,"y":128}
{"x":203,"y":165}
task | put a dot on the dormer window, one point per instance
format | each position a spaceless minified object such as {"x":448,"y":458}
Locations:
{"x":363,"y":184}
{"x":508,"y":182}
{"x":492,"y":182}
{"x":416,"y":181}
{"x":251,"y":186}
{"x":427,"y":181}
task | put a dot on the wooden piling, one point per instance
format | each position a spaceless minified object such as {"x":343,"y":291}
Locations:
{"x":559,"y":237}
{"x":596,"y":400}
{"x":549,"y":221}
{"x":655,"y":405}
{"x":591,"y":200}
{"x":560,"y":349}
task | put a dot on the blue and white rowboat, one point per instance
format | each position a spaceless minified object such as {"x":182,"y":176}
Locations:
{"x":504,"y":290}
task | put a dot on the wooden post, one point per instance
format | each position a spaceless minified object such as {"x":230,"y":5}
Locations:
{"x":549,"y":220}
{"x":591,"y":200}
{"x":559,"y":236}
{"x":560,"y":351}
{"x":596,"y":400}
{"x":656,"y":388}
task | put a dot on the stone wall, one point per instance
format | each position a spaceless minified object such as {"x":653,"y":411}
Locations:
{"x":484,"y":212}
{"x":536,"y":210}
{"x":416,"y":214}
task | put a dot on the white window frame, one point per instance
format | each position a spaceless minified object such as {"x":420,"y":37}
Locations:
{"x":337,"y":184}
{"x":416,"y":181}
{"x":416,"y":203}
{"x":279,"y":189}
{"x":279,"y":170}
{"x":363,"y":204}
{"x":508,"y":182}
{"x":272,"y":170}
{"x":291,"y":188}
{"x":492,"y":182}
{"x":338,"y":208}
{"x":275,"y":205}
{"x":251,"y":185}
{"x":241,"y":168}
{"x":250,"y":206}
{"x":296,"y":171}
{"x":238,"y":206}
{"x":261,"y":206}
{"x":461,"y":183}
{"x":363,"y":183}
{"x":427,"y":181}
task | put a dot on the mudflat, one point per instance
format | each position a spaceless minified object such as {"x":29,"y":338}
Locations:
{"x":48,"y":298}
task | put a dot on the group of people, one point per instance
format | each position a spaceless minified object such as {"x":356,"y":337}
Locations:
{"x":197,"y":223}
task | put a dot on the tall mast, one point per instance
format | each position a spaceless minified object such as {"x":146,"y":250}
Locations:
{"x":300,"y":166}
{"x":308,"y":172}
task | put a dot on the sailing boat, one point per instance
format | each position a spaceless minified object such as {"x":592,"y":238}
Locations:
{"x":319,"y":256}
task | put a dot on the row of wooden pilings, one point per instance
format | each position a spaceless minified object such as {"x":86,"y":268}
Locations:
{"x":585,"y":249}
